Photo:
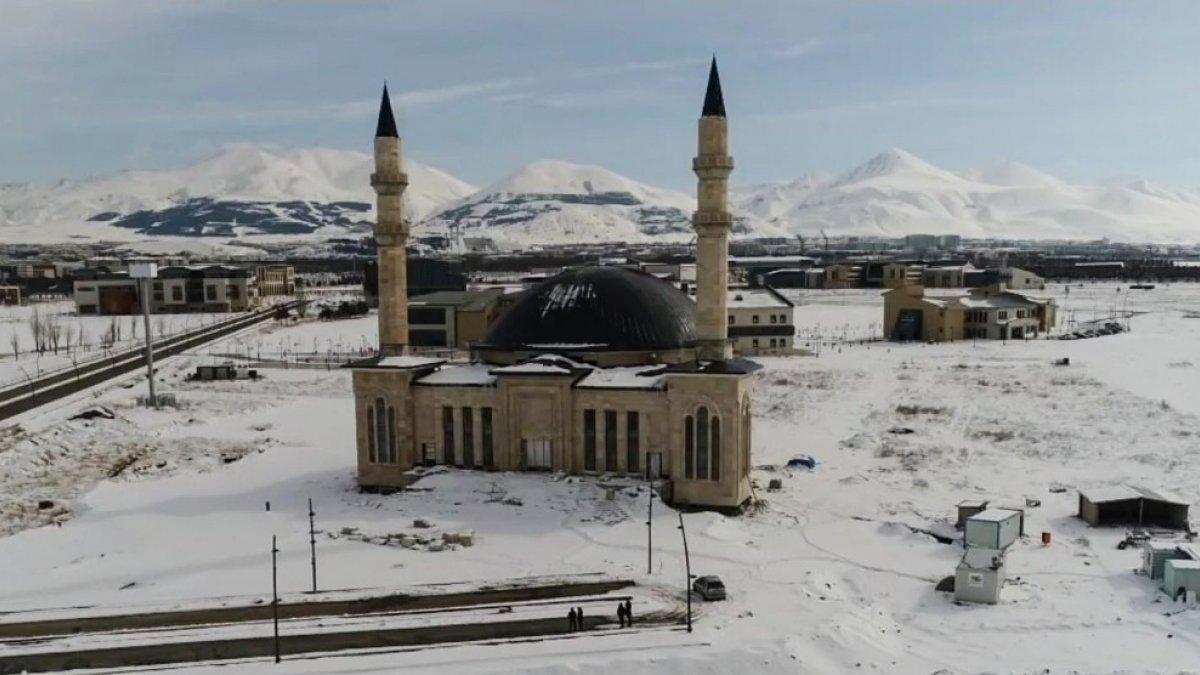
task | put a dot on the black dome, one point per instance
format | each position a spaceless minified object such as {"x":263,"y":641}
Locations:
{"x":596,"y":309}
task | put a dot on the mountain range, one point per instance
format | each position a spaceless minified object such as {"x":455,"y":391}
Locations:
{"x":248,"y":193}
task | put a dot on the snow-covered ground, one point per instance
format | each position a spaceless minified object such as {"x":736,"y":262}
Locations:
{"x":826,"y":577}
{"x":81,"y":338}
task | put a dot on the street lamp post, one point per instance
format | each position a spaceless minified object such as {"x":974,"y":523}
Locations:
{"x":275,"y":593}
{"x":687,"y":562}
{"x":146,"y":272}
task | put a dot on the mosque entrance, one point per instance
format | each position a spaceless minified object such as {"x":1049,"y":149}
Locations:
{"x":538,"y":454}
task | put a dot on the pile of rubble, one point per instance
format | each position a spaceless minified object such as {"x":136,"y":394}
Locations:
{"x":415,"y":541}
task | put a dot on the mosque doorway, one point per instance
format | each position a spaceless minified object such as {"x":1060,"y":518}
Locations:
{"x":538,"y":454}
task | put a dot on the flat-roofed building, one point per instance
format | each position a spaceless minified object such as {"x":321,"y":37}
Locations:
{"x":761,"y":322}
{"x":178,"y":289}
{"x":272,"y":280}
{"x":992,"y":313}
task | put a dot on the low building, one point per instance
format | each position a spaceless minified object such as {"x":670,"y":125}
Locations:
{"x":992,"y":313}
{"x":949,"y":276}
{"x":980,"y":575}
{"x":10,"y":295}
{"x":1130,"y":505}
{"x":761,"y":321}
{"x":453,"y":319}
{"x":213,"y":288}
{"x":273,"y":280}
{"x":1021,"y":280}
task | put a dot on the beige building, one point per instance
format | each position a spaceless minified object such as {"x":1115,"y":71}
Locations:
{"x":991,"y":313}
{"x":596,"y":370}
{"x":453,"y":319}
{"x":761,"y":322}
{"x":272,"y":280}
{"x":10,"y":295}
{"x":213,"y":288}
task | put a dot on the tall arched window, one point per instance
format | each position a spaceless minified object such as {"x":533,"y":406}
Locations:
{"x":689,"y":447}
{"x":371,"y":456}
{"x":702,"y":443}
{"x":381,"y":437}
{"x":392,"y":454}
{"x":715,"y":445}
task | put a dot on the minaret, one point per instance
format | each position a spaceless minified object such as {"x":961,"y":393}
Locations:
{"x":391,"y":233}
{"x":713,"y":223}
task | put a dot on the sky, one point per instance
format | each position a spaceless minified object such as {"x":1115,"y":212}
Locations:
{"x":1085,"y":89}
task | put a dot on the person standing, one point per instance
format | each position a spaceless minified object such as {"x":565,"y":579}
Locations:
{"x":579,"y":619}
{"x":628,"y":613}
{"x":571,"y":621}
{"x":621,"y":613}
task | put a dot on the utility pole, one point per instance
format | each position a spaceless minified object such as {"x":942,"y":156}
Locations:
{"x":687,"y":561}
{"x":275,"y":593}
{"x":146,"y":272}
{"x":312,"y":542}
{"x":650,"y":529}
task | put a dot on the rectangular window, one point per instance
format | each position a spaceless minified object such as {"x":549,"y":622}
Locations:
{"x":589,"y":440}
{"x":158,"y":296}
{"x":1003,"y":315}
{"x":633,"y":450}
{"x":774,"y":318}
{"x":754,"y":342}
{"x":447,"y":435}
{"x":731,"y":320}
{"x":485,"y":420}
{"x":426,"y":316}
{"x":468,"y":436}
{"x":754,"y":319}
{"x":158,"y":285}
{"x":210,"y":292}
{"x":177,"y":294}
{"x":772,"y":343}
{"x":610,"y":441}
{"x":233,"y":292}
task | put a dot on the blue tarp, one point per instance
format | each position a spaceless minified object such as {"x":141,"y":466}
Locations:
{"x":802,"y":462}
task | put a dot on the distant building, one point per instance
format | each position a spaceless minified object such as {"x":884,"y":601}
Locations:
{"x":423,"y":275}
{"x":273,"y":280}
{"x":10,"y":295}
{"x":921,"y":242}
{"x":453,"y":319}
{"x":213,"y":288}
{"x":761,"y":322}
{"x":992,"y":313}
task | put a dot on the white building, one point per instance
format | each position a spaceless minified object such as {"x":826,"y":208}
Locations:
{"x":761,"y":321}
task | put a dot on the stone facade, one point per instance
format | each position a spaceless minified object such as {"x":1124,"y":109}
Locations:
{"x":676,"y":411}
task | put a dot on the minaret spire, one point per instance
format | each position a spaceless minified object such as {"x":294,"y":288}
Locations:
{"x":391,"y":232}
{"x":713,"y":223}
{"x":386,"y":126}
{"x":714,"y":102}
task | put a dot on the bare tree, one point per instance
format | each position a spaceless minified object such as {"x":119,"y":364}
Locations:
{"x":81,"y":336}
{"x":68,"y":330}
{"x":160,"y":327}
{"x":37,"y":330}
{"x":14,"y":341}
{"x":54,"y":332}
{"x":133,"y":328}
{"x":111,"y":334}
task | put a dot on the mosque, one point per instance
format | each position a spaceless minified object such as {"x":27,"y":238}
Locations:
{"x":598,"y":370}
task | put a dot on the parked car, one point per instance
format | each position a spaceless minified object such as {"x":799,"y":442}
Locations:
{"x":709,"y":587}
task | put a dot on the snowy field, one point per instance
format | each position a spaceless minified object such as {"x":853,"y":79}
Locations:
{"x":828,"y":576}
{"x":80,"y":338}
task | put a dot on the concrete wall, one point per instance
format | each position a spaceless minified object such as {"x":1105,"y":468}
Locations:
{"x":978,"y":585}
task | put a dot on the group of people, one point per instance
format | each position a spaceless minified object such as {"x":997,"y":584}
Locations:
{"x":624,"y":616}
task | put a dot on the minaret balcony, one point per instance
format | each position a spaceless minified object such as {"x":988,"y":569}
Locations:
{"x":712,"y":218}
{"x":389,"y":183}
{"x":702,"y":162}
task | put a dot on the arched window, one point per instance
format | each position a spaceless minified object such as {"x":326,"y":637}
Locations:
{"x":371,"y":456}
{"x":715,"y":444}
{"x":689,"y":447}
{"x":392,"y":454}
{"x":702,"y":443}
{"x":381,"y":437}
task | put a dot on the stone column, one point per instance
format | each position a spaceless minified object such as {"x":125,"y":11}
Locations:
{"x":391,"y":236}
{"x":713,"y":223}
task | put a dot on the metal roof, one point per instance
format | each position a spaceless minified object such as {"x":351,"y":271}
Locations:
{"x":608,"y":308}
{"x":1120,"y":493}
{"x":995,"y":515}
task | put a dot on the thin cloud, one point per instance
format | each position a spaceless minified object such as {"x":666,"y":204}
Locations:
{"x":639,"y":66}
{"x":799,"y":49}
{"x":860,"y":107}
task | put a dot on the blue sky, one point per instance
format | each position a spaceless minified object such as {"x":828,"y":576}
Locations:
{"x":1087,"y":89}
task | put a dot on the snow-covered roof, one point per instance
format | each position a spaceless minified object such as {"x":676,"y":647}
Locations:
{"x":1117,"y":493}
{"x":995,"y":515}
{"x":1003,"y":301}
{"x":462,"y":375}
{"x":635,"y":377}
{"x":533,"y":368}
{"x":756,"y":298}
{"x":1184,"y":564}
{"x":408,"y":361}
{"x":982,"y":558}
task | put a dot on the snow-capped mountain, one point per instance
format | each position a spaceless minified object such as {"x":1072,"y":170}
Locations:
{"x":243,"y":190}
{"x":553,"y":202}
{"x":896,"y":193}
